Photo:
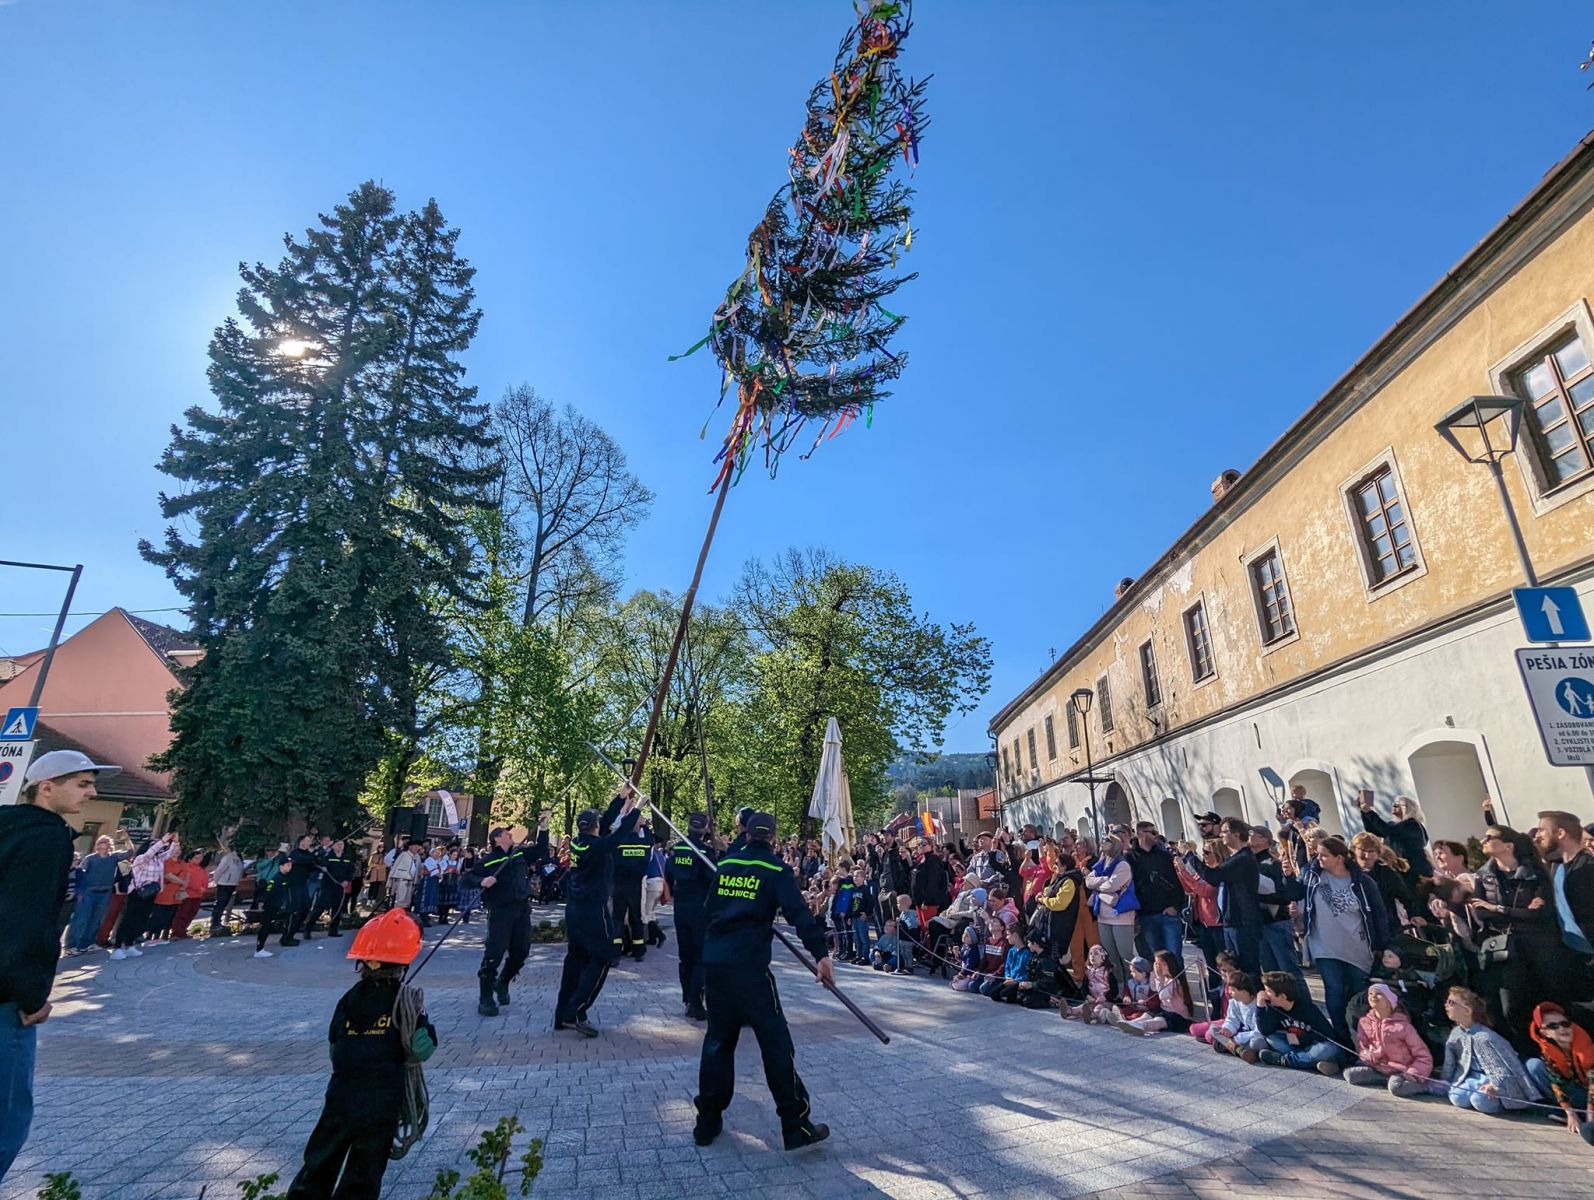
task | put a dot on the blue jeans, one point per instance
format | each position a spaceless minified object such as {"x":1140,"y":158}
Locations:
{"x":1246,"y":946}
{"x":1164,"y":932}
{"x":17,"y":1049}
{"x":86,"y":918}
{"x":1341,"y":981}
{"x":1540,"y":1074}
{"x":1278,"y":951}
{"x":860,"y":936}
{"x":1303,"y":1058}
{"x":1465,"y":1094}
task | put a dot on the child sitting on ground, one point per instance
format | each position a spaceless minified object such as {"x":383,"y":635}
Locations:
{"x":910,"y":935}
{"x":1039,"y":989}
{"x":1169,"y":1004}
{"x":1225,"y":965}
{"x":1015,"y":969}
{"x":885,"y":949}
{"x":1298,"y":1034}
{"x":1138,"y":997}
{"x":1565,"y":1070}
{"x":970,"y":956}
{"x":1481,"y":1070}
{"x":1391,"y":1051}
{"x":1238,"y":1034}
{"x":1100,"y":989}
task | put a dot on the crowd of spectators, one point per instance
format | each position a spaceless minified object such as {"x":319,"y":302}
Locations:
{"x":1389,"y":959}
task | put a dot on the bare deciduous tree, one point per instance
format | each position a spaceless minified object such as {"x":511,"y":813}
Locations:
{"x":572,"y":496}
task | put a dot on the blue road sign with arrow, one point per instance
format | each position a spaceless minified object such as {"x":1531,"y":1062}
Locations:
{"x":1551,"y":614}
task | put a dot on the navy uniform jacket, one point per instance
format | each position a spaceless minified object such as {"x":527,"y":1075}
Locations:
{"x":511,"y":867}
{"x":592,"y":858}
{"x":751,"y":886}
{"x":689,"y":877}
{"x":367,"y":1052}
{"x":631,"y":855}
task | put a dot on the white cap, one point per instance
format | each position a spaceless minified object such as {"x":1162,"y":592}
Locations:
{"x":57,"y":763}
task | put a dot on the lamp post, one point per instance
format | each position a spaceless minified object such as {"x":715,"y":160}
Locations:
{"x":1081,"y":701}
{"x":1483,"y":430}
{"x":991,"y":759}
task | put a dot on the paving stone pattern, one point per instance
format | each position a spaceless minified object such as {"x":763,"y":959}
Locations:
{"x":198,"y":1066}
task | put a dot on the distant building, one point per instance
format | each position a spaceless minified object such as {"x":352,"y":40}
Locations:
{"x":106,"y":694}
{"x":1340,"y":617}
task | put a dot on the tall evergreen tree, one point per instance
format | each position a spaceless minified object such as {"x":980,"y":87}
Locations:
{"x":321,"y":503}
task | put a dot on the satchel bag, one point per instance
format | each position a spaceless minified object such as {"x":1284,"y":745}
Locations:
{"x":1494,"y":949}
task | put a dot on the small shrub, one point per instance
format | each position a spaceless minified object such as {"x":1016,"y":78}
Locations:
{"x":60,"y":1185}
{"x":491,"y":1159}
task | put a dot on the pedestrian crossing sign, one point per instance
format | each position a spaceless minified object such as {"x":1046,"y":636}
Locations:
{"x":18,"y":725}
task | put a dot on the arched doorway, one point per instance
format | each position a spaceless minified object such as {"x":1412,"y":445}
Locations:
{"x":1086,"y":828}
{"x":1450,"y":782}
{"x":1172,"y":820}
{"x":1319,"y":785}
{"x":1115,"y":808}
{"x":1060,"y":830}
{"x":1227,"y":802}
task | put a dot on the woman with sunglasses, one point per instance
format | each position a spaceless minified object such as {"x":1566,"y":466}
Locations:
{"x":1522,"y":947}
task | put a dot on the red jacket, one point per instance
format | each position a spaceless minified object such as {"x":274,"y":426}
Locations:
{"x":1203,"y":895}
{"x":1390,"y":1044}
{"x":1576,"y":1067}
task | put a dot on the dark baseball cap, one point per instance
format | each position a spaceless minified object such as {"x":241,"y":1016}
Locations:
{"x":744,"y":815}
{"x":760,"y":825}
{"x":1210,"y":818}
{"x":697,"y":823}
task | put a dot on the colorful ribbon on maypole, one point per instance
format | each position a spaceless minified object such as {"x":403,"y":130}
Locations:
{"x":802,"y":331}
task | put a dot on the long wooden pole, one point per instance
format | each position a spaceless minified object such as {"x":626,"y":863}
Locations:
{"x":680,"y":631}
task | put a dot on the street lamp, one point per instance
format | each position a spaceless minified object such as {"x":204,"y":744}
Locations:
{"x":1081,"y":701}
{"x":1483,"y":430}
{"x":991,"y":759}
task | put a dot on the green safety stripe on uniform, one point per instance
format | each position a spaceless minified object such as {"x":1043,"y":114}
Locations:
{"x":488,"y":862}
{"x":748,"y":862}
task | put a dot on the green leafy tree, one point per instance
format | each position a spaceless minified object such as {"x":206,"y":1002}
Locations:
{"x":319,"y":508}
{"x":841,"y":640}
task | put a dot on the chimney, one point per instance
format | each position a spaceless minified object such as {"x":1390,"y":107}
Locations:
{"x":1124,"y":585}
{"x":1224,"y":484}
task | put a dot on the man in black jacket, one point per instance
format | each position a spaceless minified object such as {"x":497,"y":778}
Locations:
{"x":690,"y":879}
{"x":504,"y":876}
{"x":332,"y":891}
{"x":303,"y":881}
{"x":752,"y":886}
{"x":35,"y":857}
{"x":1158,"y":889}
{"x":1273,"y":896}
{"x":591,"y":946}
{"x":1236,"y":880}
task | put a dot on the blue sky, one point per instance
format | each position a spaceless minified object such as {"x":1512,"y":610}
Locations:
{"x":1149,"y":236}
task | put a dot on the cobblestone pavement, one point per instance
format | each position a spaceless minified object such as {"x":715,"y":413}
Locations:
{"x":198,"y":1066}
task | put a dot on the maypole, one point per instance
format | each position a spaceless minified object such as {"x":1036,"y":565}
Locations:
{"x":803,"y":333}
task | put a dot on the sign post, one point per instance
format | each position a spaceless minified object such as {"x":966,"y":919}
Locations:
{"x":1560,"y":685}
{"x":14,"y":759}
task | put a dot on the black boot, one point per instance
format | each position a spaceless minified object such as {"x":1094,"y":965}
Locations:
{"x":806,"y":1134}
{"x":696,"y":1011}
{"x":707,"y":1128}
{"x":502,"y":991}
{"x":655,"y":934}
{"x":487,"y":1007}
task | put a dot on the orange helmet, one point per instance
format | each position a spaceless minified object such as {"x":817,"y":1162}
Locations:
{"x":394,"y":937}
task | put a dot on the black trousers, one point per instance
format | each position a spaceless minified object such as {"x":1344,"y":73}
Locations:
{"x":218,"y":910}
{"x":354,"y":1144}
{"x":135,"y":919}
{"x":628,"y":914}
{"x":590,"y":949}
{"x":508,"y":933}
{"x":741,"y":997}
{"x":689,"y":945}
{"x":296,"y":905}
{"x":329,"y":898}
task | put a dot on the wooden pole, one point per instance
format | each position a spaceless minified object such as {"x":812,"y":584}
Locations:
{"x":680,"y":631}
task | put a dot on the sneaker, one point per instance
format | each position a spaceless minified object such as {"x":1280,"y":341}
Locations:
{"x":707,"y":1129}
{"x":289,"y":941}
{"x":1406,"y":1088}
{"x":584,"y":1028}
{"x":1271,"y":1058}
{"x":118,"y":954}
{"x":263,"y":954}
{"x":133,"y":952}
{"x":806,"y":1134}
{"x":1329,"y":1067}
{"x":1250,"y":1056}
{"x":1129,"y":1027}
{"x":1360,"y":1076}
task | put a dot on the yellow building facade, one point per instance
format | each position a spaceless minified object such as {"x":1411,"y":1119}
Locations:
{"x":1341,"y":616}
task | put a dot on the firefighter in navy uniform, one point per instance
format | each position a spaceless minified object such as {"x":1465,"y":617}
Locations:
{"x":504,"y":876}
{"x":751,"y":886}
{"x":630,"y":866}
{"x":591,"y":946}
{"x":740,"y":840}
{"x":690,"y":879}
